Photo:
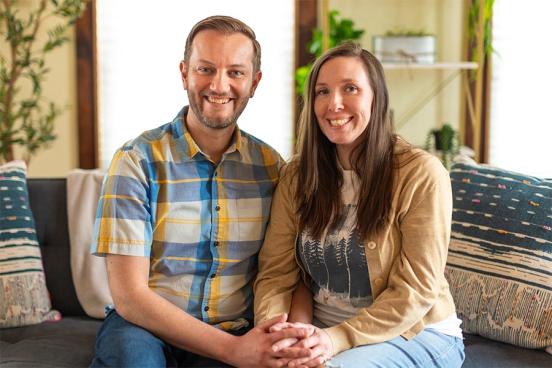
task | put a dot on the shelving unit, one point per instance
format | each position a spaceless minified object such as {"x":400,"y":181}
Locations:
{"x":456,"y":68}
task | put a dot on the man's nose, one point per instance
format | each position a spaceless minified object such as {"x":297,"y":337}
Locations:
{"x":220,"y":83}
{"x":336,"y":102}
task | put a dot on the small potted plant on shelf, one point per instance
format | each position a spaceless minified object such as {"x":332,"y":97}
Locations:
{"x":444,"y":143}
{"x":405,"y":46}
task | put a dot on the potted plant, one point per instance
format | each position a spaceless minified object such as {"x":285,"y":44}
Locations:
{"x":339,"y":30}
{"x":444,"y":143}
{"x":403,"y":45}
{"x":26,"y":116}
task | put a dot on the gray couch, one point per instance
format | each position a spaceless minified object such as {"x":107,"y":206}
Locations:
{"x":70,"y":342}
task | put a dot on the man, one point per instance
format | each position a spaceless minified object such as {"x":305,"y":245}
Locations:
{"x":182,"y":216}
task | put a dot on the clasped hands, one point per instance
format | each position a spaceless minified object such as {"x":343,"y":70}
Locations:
{"x":309,"y":351}
{"x":278,"y":343}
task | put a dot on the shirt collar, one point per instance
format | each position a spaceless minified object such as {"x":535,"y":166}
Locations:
{"x":192,"y":147}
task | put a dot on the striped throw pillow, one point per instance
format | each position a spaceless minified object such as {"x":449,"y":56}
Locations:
{"x":23,"y":292}
{"x":500,"y":258}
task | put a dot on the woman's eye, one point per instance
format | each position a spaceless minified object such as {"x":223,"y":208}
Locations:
{"x":351,"y":88}
{"x":321,"y":92}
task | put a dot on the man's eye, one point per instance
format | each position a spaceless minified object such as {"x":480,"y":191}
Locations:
{"x":236,"y":73}
{"x":203,"y":69}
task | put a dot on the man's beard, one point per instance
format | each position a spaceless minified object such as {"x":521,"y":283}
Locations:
{"x":217,"y":123}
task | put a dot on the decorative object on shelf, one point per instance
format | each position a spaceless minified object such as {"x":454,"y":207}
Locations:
{"x":339,"y":30}
{"x":405,"y":46}
{"x":26,"y":116}
{"x":444,"y":143}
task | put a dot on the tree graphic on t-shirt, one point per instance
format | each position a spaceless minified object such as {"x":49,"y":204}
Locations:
{"x":357,"y":260}
{"x":312,"y":256}
{"x":336,"y":259}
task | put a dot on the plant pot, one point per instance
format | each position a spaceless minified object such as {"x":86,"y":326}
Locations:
{"x":437,"y":140}
{"x":404,"y":49}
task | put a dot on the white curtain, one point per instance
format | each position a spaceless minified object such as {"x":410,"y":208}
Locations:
{"x":521,"y":87}
{"x":140,"y":44}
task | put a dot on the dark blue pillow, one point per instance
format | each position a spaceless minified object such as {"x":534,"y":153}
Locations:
{"x":500,"y":258}
{"x":25,"y":299}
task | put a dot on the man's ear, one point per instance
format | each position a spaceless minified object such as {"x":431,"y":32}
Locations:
{"x":184,"y":74}
{"x":255,"y":83}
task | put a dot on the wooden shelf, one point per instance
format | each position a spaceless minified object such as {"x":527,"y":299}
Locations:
{"x":435,"y":66}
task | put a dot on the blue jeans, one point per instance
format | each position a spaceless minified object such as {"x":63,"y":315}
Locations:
{"x":122,"y":344}
{"x":428,"y":349}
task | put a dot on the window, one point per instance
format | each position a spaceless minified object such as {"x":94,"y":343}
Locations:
{"x":521,"y":123}
{"x":139,"y":81}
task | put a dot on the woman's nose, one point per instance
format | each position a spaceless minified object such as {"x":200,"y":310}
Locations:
{"x":336,"y":102}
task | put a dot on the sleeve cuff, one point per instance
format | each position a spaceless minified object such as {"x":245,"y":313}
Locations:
{"x":340,"y":338}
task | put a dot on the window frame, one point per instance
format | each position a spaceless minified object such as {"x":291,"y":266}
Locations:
{"x":306,"y":12}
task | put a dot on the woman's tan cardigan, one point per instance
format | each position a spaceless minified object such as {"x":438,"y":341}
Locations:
{"x":406,"y":260}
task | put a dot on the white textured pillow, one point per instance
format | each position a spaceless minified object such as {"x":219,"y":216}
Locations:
{"x":89,"y":272}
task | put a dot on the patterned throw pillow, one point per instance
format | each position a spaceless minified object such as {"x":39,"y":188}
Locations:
{"x":23,"y":292}
{"x":500,"y":258}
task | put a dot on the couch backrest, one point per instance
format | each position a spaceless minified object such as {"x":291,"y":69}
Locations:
{"x":48,"y":199}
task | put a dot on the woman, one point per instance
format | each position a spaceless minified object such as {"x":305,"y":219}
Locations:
{"x":364,"y":219}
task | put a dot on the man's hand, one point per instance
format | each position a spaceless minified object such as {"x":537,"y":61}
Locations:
{"x":256,"y":348}
{"x":311,"y":351}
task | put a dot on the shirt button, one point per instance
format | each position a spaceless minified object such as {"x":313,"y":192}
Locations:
{"x":217,"y":208}
{"x":371,"y":245}
{"x":213,"y":275}
{"x":216,"y":243}
{"x":206,"y":308}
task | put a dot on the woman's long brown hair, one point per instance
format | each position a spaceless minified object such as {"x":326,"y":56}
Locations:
{"x":319,"y":178}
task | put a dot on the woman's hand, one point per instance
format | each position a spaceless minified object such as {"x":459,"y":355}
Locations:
{"x":311,"y":351}
{"x":256,"y":348}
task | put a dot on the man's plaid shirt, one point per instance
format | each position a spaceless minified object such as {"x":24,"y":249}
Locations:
{"x":200,"y":224}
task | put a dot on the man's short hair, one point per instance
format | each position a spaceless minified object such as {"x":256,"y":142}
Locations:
{"x":226,"y":25}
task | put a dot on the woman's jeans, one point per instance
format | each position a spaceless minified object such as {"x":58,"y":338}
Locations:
{"x":122,"y":344}
{"x":428,"y":349}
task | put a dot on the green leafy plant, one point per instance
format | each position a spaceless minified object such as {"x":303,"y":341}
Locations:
{"x":26,"y":116}
{"x":443,"y":141}
{"x":339,"y":30}
{"x":473,"y":29}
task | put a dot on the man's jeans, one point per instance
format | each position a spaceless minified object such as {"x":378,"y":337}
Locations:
{"x":428,"y":349}
{"x":122,"y":344}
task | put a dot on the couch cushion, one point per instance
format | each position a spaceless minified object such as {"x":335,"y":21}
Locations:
{"x":500,"y":257}
{"x":484,"y":353}
{"x":23,"y":292}
{"x":47,"y":197}
{"x":66,"y":343}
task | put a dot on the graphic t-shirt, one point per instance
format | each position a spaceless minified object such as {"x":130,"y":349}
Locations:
{"x":336,"y":263}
